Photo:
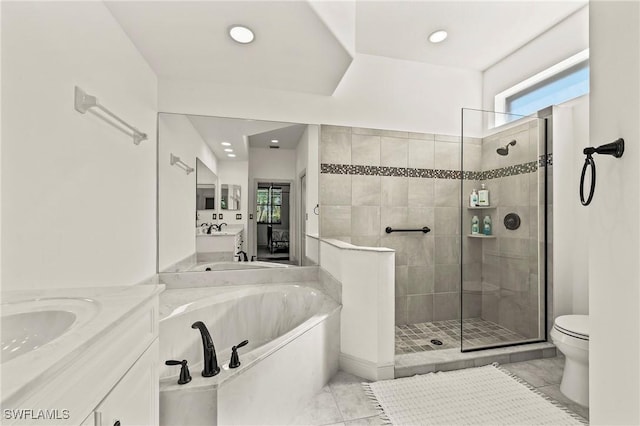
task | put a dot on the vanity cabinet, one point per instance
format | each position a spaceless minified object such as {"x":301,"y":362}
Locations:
{"x":104,"y":370}
{"x":134,"y":400}
{"x":219,"y":246}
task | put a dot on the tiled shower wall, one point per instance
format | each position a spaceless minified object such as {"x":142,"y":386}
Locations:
{"x":371,"y":179}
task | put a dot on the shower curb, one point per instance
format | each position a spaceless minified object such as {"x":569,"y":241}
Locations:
{"x":407,"y":365}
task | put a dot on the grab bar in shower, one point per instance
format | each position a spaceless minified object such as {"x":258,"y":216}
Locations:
{"x":175,"y":160}
{"x":424,"y":229}
{"x":83,"y":102}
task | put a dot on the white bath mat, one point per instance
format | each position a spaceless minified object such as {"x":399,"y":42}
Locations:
{"x":475,"y":396}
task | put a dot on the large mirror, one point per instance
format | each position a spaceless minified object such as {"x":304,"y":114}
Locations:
{"x":252,"y":195}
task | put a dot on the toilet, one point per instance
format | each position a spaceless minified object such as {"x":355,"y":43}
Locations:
{"x":570,"y":334}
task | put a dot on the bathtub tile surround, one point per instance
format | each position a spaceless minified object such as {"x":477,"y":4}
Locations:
{"x":239,"y":277}
{"x":402,"y":180}
{"x":329,"y":285}
{"x":293,"y":332}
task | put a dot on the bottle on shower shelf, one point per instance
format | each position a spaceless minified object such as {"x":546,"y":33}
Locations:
{"x":473,"y":199}
{"x":483,"y":197}
{"x":486,"y":227}
{"x":475,"y":225}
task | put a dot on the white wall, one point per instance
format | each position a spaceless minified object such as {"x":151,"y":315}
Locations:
{"x":177,"y":189}
{"x":558,"y":43}
{"x":302,"y":161}
{"x":375,"y":92}
{"x":313,"y":179}
{"x":235,"y":173}
{"x":78,"y":206}
{"x":570,"y":219}
{"x":614,"y":234}
{"x":368,"y":308}
{"x":272,"y":164}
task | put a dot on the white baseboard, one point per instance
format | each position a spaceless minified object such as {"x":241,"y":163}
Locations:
{"x":366,"y":369}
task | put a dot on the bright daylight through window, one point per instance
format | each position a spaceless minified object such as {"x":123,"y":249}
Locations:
{"x":564,"y":81}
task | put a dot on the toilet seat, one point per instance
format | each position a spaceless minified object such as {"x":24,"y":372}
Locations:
{"x":576,"y":326}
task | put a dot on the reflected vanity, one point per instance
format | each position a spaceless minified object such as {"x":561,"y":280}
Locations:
{"x":232,"y":158}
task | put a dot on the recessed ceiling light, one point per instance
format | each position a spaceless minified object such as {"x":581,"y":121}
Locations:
{"x":438,"y":36}
{"x":228,"y":150}
{"x":274,"y":140}
{"x":240,"y":34}
{"x":225,"y":144}
{"x":231,"y":155}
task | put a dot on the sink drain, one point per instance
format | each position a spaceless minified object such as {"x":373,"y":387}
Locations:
{"x":436,"y":342}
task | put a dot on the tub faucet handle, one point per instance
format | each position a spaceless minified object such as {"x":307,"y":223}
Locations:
{"x":185,"y":376}
{"x":235,"y":359}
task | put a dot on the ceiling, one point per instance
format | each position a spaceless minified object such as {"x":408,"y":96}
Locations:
{"x":480,"y":32}
{"x":293,"y":49}
{"x":287,"y":137}
{"x":307,"y":46}
{"x":242,"y":134}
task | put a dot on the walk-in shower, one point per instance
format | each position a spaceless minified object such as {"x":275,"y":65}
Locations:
{"x":502,"y":263}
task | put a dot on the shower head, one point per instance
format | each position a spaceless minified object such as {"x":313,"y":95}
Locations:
{"x":505,"y":150}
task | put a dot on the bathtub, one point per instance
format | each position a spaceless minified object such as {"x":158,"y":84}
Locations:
{"x":226,"y":265}
{"x":294,"y":339}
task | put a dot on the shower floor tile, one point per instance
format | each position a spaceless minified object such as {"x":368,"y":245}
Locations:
{"x":477,"y":332}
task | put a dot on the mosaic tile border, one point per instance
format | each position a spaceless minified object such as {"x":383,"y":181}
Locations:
{"x":518,"y":169}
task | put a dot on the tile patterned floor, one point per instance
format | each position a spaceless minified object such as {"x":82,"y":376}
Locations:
{"x":343,"y":401}
{"x":477,"y":332}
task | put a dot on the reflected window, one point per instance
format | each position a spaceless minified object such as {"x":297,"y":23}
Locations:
{"x":269,"y":205}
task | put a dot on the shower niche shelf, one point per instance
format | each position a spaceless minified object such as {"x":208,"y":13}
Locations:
{"x":480,"y":236}
{"x":482,"y":208}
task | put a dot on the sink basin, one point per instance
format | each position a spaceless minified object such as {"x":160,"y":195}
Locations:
{"x":30,"y":324}
{"x":22,"y":333}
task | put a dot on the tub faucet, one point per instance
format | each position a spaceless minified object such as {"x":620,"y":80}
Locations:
{"x":220,"y":226}
{"x":211,"y":367}
{"x":213,"y":226}
{"x":244,"y":256}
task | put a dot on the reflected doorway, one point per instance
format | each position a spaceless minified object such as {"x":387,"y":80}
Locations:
{"x":273,"y":221}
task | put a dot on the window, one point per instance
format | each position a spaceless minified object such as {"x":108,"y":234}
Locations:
{"x":269,"y":205}
{"x":564,"y":81}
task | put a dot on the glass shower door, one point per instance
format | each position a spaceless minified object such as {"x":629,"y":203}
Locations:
{"x":505,"y":164}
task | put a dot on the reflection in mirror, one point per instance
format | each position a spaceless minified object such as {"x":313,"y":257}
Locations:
{"x":206,"y":182}
{"x":234,"y":158}
{"x":230,"y":197}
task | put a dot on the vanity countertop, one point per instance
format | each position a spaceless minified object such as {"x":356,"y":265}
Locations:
{"x":227,"y":231}
{"x":98,"y":310}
